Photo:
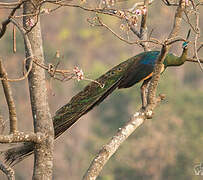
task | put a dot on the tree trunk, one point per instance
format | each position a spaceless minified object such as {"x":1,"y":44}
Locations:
{"x":43,"y":162}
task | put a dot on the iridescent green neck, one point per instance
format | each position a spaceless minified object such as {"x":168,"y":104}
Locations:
{"x":172,"y":60}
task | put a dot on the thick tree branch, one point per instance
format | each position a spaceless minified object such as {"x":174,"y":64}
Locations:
{"x":177,"y":20}
{"x":110,"y":148}
{"x":151,"y":99}
{"x":22,"y":137}
{"x":159,"y":63}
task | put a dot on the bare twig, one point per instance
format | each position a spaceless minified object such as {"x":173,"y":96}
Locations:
{"x":100,"y":23}
{"x":188,"y":21}
{"x":196,"y":38}
{"x":41,"y":12}
{"x":9,"y":99}
{"x":111,"y":12}
{"x":9,"y":4}
{"x":201,"y":46}
{"x":24,"y":76}
{"x":14,"y":39}
{"x":174,"y":40}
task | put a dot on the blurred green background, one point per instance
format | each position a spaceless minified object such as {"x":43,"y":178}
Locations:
{"x":165,"y":147}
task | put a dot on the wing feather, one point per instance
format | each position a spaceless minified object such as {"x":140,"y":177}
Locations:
{"x":135,"y":74}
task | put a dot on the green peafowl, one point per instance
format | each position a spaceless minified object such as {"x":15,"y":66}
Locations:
{"x":134,"y":70}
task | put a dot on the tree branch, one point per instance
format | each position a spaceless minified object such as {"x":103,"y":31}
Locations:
{"x":194,"y":60}
{"x":138,"y":42}
{"x":24,"y":76}
{"x":152,"y":101}
{"x":143,"y":27}
{"x":110,"y":148}
{"x":22,"y":137}
{"x":197,"y":34}
{"x":9,"y":99}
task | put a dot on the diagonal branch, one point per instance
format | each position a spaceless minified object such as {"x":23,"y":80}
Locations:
{"x":110,"y":148}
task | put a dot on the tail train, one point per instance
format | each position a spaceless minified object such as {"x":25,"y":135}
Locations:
{"x":93,"y":94}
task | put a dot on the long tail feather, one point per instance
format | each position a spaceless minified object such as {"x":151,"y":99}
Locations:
{"x":79,"y":105}
{"x":16,"y":154}
{"x":69,"y":118}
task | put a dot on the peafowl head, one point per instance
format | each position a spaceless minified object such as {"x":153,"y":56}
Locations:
{"x":185,"y":45}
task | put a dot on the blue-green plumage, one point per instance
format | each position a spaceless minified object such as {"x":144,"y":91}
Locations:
{"x":149,"y":58}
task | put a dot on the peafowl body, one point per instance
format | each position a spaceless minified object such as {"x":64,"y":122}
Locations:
{"x":126,"y":74}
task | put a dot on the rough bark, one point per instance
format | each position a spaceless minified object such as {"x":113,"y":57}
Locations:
{"x":38,"y":95}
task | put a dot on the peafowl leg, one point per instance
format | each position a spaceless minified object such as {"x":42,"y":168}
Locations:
{"x":144,"y":92}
